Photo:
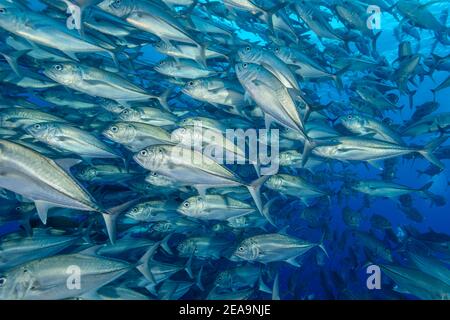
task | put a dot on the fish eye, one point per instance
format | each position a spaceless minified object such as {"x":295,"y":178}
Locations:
{"x":126,"y":111}
{"x":349,"y":117}
{"x":58,"y":67}
{"x":247,"y":49}
{"x":245,"y":65}
{"x":114,"y":129}
{"x":134,"y":210}
{"x":116,"y":4}
{"x":2,"y":10}
{"x":191,"y":83}
{"x":37,"y":126}
{"x":2,"y":281}
{"x":143,"y":153}
{"x":241,"y":249}
{"x":160,"y":150}
{"x":154,"y":174}
{"x":18,"y":209}
{"x":186,"y":204}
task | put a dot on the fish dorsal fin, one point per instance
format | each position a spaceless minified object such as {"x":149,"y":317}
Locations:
{"x":91,"y":251}
{"x":42,"y":208}
{"x":66,"y":164}
{"x":370,"y":135}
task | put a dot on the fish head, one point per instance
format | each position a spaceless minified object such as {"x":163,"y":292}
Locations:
{"x":66,"y":73}
{"x":10,"y":15}
{"x":118,"y":8}
{"x":186,"y":247}
{"x":194,"y":87}
{"x":167,"y":66}
{"x":224,"y":279}
{"x":87,"y":173}
{"x":129,"y":114}
{"x":17,"y":283}
{"x":247,"y":72}
{"x":247,"y":250}
{"x":7,"y":121}
{"x":219,"y":227}
{"x":158,"y":180}
{"x":135,"y":212}
{"x":110,"y":105}
{"x":249,"y":54}
{"x":185,"y":136}
{"x":361,"y":186}
{"x":25,"y":207}
{"x":192,"y":207}
{"x":152,"y":157}
{"x":289,"y":157}
{"x":237,"y":222}
{"x":120,"y":132}
{"x":275,"y":182}
{"x":163,"y":46}
{"x":162,"y":226}
{"x":41,"y":130}
{"x":280,"y":52}
{"x":353,"y":122}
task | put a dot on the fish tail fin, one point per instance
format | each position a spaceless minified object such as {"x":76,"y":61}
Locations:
{"x":188,"y":267}
{"x":269,"y":15}
{"x":262,"y":286}
{"x":374,"y":41}
{"x":433,"y":91}
{"x":427,"y":151}
{"x":11,"y":59}
{"x":165,"y":244}
{"x":424,"y":190}
{"x":110,"y":223}
{"x":142,"y":264}
{"x":254,"y":188}
{"x":426,"y":186}
{"x":110,"y":217}
{"x":322,"y":247}
{"x":276,"y":288}
{"x":338,"y":77}
{"x":307,"y":149}
{"x":201,"y":59}
{"x":198,"y":281}
{"x":311,"y":144}
{"x":163,"y":99}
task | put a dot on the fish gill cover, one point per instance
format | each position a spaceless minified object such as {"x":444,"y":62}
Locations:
{"x":252,"y":149}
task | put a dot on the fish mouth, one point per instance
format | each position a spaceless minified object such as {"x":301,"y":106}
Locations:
{"x":107,"y":134}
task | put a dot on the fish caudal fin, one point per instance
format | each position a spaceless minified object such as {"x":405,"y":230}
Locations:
{"x":427,"y":151}
{"x":254,"y":189}
{"x":110,"y":217}
{"x":142,"y":264}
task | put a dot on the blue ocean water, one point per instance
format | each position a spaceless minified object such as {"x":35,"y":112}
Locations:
{"x":309,"y":282}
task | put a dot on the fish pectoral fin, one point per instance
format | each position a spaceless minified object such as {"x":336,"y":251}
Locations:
{"x":91,"y":251}
{"x":293,"y":262}
{"x":376,"y":164}
{"x":42,"y":208}
{"x":201,"y":189}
